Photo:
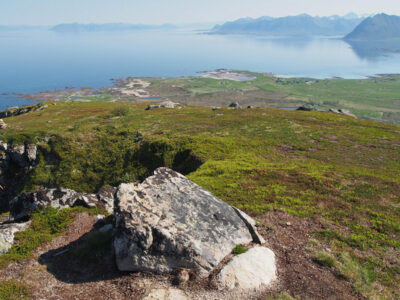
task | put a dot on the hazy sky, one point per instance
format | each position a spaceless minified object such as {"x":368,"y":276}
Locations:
{"x":48,"y":12}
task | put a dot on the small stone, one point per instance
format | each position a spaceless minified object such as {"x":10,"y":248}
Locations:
{"x":250,"y":270}
{"x":100,"y":217}
{"x":3,"y":124}
{"x":234,"y":105}
{"x":3,"y":146}
{"x":288,"y":224}
{"x":31,"y":152}
{"x":182,"y":277}
{"x":165,"y":294}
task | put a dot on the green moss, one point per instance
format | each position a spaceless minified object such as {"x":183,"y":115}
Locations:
{"x":239,"y":249}
{"x":13,"y":290}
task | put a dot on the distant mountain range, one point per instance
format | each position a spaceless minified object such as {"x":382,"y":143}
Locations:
{"x":77,"y":27}
{"x":301,"y":25}
{"x":376,"y":28}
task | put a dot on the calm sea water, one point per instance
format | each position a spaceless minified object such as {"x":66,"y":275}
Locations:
{"x":32,"y":61}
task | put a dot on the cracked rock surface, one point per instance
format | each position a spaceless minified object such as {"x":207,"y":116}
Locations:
{"x":169,"y":222}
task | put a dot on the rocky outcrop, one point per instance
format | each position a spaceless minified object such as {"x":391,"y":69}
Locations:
{"x":22,"y":155}
{"x":16,"y":111}
{"x":22,"y":206}
{"x":168,"y":222}
{"x":7,"y":233}
{"x":15,"y":162}
{"x":343,"y":112}
{"x":106,"y":197}
{"x":249,"y":270}
{"x":165,"y":104}
{"x":306,"y":107}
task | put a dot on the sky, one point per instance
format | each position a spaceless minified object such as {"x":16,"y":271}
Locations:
{"x":51,"y":12}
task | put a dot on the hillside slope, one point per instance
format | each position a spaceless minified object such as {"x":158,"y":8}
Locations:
{"x":325,"y":188}
{"x":379,"y":27}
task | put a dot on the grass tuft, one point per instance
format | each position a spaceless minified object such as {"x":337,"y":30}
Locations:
{"x":325,"y":259}
{"x":239,"y":249}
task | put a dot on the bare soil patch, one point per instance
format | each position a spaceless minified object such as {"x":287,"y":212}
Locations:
{"x":54,"y":274}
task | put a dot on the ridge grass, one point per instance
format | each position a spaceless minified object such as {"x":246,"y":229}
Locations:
{"x":339,"y":169}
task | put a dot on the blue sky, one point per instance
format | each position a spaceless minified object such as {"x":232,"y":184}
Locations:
{"x":49,"y":12}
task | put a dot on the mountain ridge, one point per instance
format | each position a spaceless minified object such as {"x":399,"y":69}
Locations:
{"x":378,"y":27}
{"x":303,"y":24}
{"x":79,"y":27}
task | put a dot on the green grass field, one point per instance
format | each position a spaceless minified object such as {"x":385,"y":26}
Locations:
{"x":310,"y":164}
{"x":377,"y":98}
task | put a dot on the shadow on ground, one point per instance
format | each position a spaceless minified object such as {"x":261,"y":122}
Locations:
{"x":88,"y":259}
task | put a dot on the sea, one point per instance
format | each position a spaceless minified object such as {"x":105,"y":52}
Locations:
{"x":42,"y":60}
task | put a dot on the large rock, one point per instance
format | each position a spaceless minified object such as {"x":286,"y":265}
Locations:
{"x":249,"y":270}
{"x":23,"y":205}
{"x":7,"y":234}
{"x":168,"y":222}
{"x":165,"y":104}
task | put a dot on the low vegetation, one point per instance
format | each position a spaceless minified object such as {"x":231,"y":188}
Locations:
{"x":239,"y":249}
{"x":94,"y":247}
{"x":13,"y":290}
{"x":46,"y":224}
{"x":344,"y":171}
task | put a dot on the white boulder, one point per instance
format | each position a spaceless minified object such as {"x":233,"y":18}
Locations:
{"x":250,"y":270}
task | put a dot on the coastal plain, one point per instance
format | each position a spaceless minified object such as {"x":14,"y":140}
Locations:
{"x":375,"y":98}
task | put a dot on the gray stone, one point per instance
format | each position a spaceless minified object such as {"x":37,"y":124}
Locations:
{"x":168,"y":104}
{"x":168,"y":222}
{"x":106,"y":197}
{"x":250,"y":270}
{"x":3,"y":146}
{"x":7,"y":234}
{"x":234,"y":105}
{"x":31,"y":152}
{"x":3,"y":124}
{"x":251,"y":226}
{"x":23,"y":205}
{"x":17,"y":156}
{"x":165,"y":104}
